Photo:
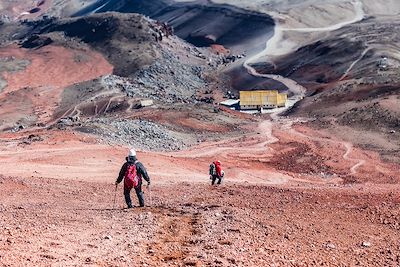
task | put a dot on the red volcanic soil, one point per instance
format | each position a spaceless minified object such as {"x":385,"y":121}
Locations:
{"x":292,"y":196}
{"x":54,"y":66}
{"x":269,"y":154}
{"x":219,"y":49}
{"x":51,"y":69}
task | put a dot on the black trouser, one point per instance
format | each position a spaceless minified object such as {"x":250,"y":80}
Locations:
{"x":139,"y":193}
{"x":214,"y":178}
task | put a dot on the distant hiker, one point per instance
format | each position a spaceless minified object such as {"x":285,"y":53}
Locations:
{"x":133,"y":172}
{"x":216,"y":172}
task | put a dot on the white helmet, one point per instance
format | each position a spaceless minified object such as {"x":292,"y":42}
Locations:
{"x":132,"y":152}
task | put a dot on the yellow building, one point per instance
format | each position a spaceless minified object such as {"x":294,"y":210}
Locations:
{"x":262,"y":99}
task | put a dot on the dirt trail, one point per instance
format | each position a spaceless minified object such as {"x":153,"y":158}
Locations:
{"x":177,"y":228}
{"x":298,"y":90}
{"x":254,"y":145}
{"x":354,"y":63}
{"x":110,"y":102}
{"x":348,"y":147}
{"x":277,"y":47}
{"x":272,"y":49}
{"x":76,"y":109}
{"x":359,"y":15}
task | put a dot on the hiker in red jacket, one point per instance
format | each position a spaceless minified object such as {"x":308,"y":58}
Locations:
{"x":216,"y":172}
{"x":133,"y":173}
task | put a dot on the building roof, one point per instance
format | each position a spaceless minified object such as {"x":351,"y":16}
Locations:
{"x":264,"y":92}
{"x":230,"y":102}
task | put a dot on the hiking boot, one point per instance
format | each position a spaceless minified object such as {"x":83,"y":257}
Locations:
{"x":130,"y":206}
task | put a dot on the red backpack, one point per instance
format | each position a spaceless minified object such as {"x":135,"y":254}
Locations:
{"x":131,"y":178}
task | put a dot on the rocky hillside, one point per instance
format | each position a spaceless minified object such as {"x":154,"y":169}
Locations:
{"x":146,"y":65}
{"x":352,"y":81}
{"x":201,"y":24}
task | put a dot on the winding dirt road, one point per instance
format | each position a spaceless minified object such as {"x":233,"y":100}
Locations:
{"x":273,"y":48}
{"x":348,"y":146}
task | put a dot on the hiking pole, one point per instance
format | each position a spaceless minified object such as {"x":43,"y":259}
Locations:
{"x":115,"y":195}
{"x":150,"y":200}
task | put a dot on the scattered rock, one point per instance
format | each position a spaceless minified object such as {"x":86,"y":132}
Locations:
{"x":330,"y":245}
{"x":366,"y":244}
{"x":142,"y":134}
